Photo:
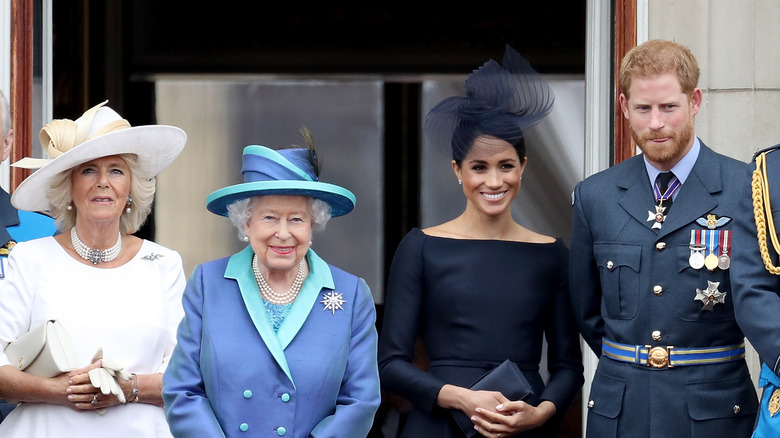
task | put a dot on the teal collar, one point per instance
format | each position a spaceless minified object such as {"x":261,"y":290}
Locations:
{"x":239,"y":267}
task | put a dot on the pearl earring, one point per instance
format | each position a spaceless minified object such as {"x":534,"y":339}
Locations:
{"x":69,"y":207}
{"x":460,"y":182}
{"x":245,"y":238}
{"x":129,"y":201}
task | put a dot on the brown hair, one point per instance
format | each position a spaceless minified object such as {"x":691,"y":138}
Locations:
{"x":656,"y":57}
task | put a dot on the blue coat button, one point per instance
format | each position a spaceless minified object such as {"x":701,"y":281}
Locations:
{"x":281,"y":431}
{"x":247,"y":394}
{"x":244,"y":427}
{"x":285,"y":397}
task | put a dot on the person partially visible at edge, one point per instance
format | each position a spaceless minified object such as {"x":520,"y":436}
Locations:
{"x":117,"y":296}
{"x":15,"y":226}
{"x":275,"y":341}
{"x":481,"y":288}
{"x":755,"y":273}
{"x":649,"y":267}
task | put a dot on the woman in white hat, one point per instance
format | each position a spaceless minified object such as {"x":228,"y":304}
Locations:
{"x":117,"y":296}
{"x":274,"y":341}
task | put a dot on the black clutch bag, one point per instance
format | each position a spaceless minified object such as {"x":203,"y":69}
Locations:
{"x":505,"y":378}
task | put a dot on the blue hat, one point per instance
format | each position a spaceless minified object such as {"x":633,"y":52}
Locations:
{"x":282,"y":172}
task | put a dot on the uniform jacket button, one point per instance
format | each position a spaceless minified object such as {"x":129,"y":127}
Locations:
{"x":590,"y":404}
{"x":737,"y":409}
{"x":660,"y":246}
{"x":656,"y":335}
{"x":610,"y":265}
{"x":658,"y":290}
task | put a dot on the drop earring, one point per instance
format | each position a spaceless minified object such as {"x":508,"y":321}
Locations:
{"x":129,"y":201}
{"x":460,"y":182}
{"x":70,"y":206}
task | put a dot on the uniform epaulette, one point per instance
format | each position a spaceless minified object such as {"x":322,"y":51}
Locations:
{"x":762,"y":210}
{"x":766,"y":151}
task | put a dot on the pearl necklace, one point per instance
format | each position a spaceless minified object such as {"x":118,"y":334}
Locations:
{"x":271,"y":295}
{"x":95,"y":255}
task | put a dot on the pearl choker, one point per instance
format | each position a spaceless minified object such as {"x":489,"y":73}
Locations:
{"x":95,"y":255}
{"x":274,"y":297}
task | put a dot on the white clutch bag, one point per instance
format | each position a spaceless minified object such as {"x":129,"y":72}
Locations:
{"x":45,"y":351}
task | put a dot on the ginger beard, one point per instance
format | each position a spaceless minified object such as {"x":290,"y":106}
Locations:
{"x":673,"y":149}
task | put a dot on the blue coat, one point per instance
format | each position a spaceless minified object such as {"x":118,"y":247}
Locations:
{"x":231,"y":375}
{"x":22,"y":225}
{"x":633,"y":284}
{"x":756,"y":299}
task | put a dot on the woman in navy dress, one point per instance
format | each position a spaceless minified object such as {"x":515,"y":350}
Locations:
{"x":481,"y":288}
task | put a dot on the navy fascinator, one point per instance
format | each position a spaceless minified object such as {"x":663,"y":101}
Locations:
{"x":502,"y":100}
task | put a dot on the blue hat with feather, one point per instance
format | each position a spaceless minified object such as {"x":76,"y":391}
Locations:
{"x":290,"y":172}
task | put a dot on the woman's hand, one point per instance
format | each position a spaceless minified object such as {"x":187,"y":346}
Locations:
{"x":83,"y":395}
{"x":468,"y":401}
{"x":511,"y":418}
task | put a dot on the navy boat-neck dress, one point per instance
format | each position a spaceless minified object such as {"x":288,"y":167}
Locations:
{"x":475,"y":303}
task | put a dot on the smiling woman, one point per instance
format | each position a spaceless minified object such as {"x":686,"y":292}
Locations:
{"x":307,"y":328}
{"x":460,"y":283}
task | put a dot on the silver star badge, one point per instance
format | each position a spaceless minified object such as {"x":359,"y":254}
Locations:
{"x":151,"y":256}
{"x":332,"y":301}
{"x":658,"y":216}
{"x":710,"y":296}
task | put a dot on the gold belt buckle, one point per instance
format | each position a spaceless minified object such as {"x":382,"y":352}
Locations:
{"x":658,"y":357}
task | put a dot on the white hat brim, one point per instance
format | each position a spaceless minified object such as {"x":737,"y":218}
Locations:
{"x":155,"y":145}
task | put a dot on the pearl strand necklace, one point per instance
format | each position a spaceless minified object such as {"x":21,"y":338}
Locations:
{"x":271,"y":295}
{"x":95,"y":255}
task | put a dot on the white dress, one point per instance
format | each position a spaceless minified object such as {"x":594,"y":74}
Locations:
{"x":131,"y":311}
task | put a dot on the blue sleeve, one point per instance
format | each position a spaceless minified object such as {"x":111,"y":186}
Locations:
{"x":756,"y":300}
{"x":187,"y":409}
{"x":584,"y":281}
{"x":360,"y":395}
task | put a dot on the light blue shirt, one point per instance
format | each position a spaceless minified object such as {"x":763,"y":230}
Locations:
{"x":681,"y":170}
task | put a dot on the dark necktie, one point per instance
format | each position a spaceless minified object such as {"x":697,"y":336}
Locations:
{"x":662,"y":180}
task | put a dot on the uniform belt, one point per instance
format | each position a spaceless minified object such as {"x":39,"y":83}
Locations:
{"x":669,"y":356}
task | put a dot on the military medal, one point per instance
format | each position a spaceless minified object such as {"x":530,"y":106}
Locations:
{"x":696,"y":259}
{"x":711,"y":261}
{"x":5,"y":251}
{"x":774,"y":402}
{"x":658,"y":217}
{"x":724,"y":262}
{"x":710,"y":296}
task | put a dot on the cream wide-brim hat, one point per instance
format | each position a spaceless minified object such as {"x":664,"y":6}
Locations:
{"x":99,"y":132}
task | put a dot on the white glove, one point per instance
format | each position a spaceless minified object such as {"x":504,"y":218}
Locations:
{"x":104,"y":378}
{"x":116,"y":370}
